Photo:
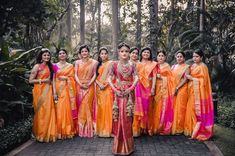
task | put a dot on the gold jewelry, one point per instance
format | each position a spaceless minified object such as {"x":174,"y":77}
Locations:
{"x":124,"y":69}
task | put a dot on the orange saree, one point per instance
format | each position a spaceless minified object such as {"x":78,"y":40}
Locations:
{"x":85,"y":97}
{"x":199,"y":121}
{"x":66,"y":107}
{"x":181,"y":99}
{"x":104,"y":102}
{"x":44,"y":123}
{"x":163,"y":102}
{"x":143,"y":98}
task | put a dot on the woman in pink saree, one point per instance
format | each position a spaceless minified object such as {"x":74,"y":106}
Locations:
{"x":85,"y":74}
{"x":126,"y":78}
{"x":145,"y":89}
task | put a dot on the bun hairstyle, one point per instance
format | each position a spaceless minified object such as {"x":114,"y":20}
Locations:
{"x":83,"y":46}
{"x":123,"y":44}
{"x":180,"y":52}
{"x":149,"y":49}
{"x":100,"y":60}
{"x":199,"y":52}
{"x":49,"y":64}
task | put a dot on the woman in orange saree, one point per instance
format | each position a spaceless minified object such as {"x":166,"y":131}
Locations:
{"x":180,"y":70}
{"x":144,"y":91}
{"x":163,"y":100}
{"x":85,"y":74}
{"x":64,"y":96}
{"x":125,"y":74}
{"x":199,"y":121}
{"x":44,"y":123}
{"x":104,"y":96}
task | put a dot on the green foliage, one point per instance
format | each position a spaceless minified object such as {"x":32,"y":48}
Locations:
{"x":15,"y":134}
{"x":16,"y":97}
{"x":226,"y":111}
{"x":224,"y":138}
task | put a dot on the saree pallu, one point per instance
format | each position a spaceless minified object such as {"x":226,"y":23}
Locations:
{"x":122,"y":128}
{"x":199,"y":121}
{"x":143,"y":99}
{"x":104,"y":103}
{"x":44,"y":123}
{"x":180,"y":100}
{"x":66,"y":109}
{"x":85,"y":98}
{"x":163,"y":102}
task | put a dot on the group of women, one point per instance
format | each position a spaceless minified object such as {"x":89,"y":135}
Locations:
{"x":129,"y":97}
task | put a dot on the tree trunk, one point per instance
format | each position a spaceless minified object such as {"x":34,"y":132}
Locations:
{"x":201,"y":22}
{"x":99,"y":25}
{"x":153,"y":12}
{"x":69,"y":23}
{"x":202,"y":10}
{"x":115,"y":27}
{"x":138,"y":25}
{"x":82,"y":21}
{"x":172,"y":10}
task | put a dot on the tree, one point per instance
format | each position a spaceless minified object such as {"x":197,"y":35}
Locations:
{"x":99,"y":25}
{"x":153,"y":13}
{"x":138,"y":25}
{"x":82,"y":21}
{"x":115,"y":27}
{"x":69,"y":22}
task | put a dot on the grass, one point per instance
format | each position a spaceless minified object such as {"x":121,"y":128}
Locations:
{"x":224,"y":139}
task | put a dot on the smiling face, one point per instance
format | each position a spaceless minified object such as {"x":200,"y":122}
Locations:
{"x":134,"y":55}
{"x":46,"y":57}
{"x":62,"y":55}
{"x":145,"y":55}
{"x":197,"y":58}
{"x":124,"y":53}
{"x":179,"y":58}
{"x":84,"y":53}
{"x":104,"y":55}
{"x":161,"y":58}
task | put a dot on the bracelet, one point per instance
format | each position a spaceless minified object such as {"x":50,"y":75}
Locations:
{"x":40,"y":81}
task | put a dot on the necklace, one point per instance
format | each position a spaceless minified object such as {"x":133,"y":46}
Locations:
{"x":124,"y":69}
{"x":62,"y":65}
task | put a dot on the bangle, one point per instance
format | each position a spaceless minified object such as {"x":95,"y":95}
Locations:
{"x":40,"y":81}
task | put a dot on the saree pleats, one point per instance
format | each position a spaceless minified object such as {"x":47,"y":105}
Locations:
{"x":122,"y":127}
{"x":85,"y":98}
{"x":44,"y":123}
{"x":66,"y":106}
{"x":143,"y":99}
{"x":163,"y":102}
{"x":180,"y":100}
{"x":104,"y":103}
{"x":199,"y":120}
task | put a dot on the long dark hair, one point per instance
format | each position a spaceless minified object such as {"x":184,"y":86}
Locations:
{"x":39,"y":61}
{"x":149,"y":49}
{"x":100,"y":60}
{"x":199,"y":52}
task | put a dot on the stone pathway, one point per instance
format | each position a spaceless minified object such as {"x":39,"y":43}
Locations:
{"x":144,"y":146}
